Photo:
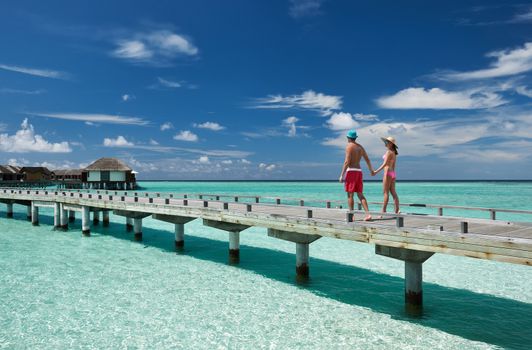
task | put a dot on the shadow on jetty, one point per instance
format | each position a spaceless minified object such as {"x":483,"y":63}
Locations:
{"x":479,"y":317}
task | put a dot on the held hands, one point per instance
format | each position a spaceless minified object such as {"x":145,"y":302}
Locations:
{"x":373,"y":173}
{"x":341,"y":179}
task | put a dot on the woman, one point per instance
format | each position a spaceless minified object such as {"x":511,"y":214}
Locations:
{"x":388,"y":180}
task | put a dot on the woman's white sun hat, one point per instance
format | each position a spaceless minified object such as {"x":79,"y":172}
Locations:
{"x":389,"y":139}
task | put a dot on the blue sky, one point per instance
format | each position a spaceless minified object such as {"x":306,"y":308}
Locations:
{"x":267,"y":89}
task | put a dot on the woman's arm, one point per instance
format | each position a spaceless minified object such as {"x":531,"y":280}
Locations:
{"x":384,"y":163}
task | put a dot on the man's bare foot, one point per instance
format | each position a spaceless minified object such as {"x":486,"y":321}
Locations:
{"x":367,"y":218}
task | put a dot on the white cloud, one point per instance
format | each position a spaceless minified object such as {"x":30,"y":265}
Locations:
{"x":168,"y":83}
{"x":45,"y":73}
{"x":523,"y":90}
{"x":127,"y":97}
{"x":186,"y":135}
{"x":449,"y":138}
{"x":155,"y":47}
{"x":167,"y":126}
{"x":227,"y":162}
{"x":342,"y":121}
{"x":436,"y":98}
{"x":21,"y":92}
{"x":365,"y":117}
{"x":120,"y":141}
{"x":305,"y":8}
{"x":309,"y":99}
{"x":210,"y":125}
{"x":25,"y":140}
{"x":523,"y":17}
{"x":267,"y":167}
{"x":95,"y":118}
{"x":290,"y":122}
{"x":153,"y":142}
{"x":203,"y":160}
{"x":507,"y":62}
{"x":245,"y":161}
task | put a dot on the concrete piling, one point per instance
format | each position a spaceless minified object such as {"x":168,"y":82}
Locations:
{"x":302,"y":254}
{"x":129,"y":224}
{"x":57,"y":215}
{"x":71,"y":216}
{"x":63,"y":217}
{"x":413,"y":284}
{"x":105,"y":218}
{"x":95,"y":216}
{"x":9,"y":209}
{"x":34,"y":214}
{"x":28,"y":213}
{"x":179,"y":235}
{"x":137,"y":228}
{"x":85,"y":221}
{"x":234,"y":247}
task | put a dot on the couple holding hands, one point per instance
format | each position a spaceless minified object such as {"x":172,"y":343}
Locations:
{"x":351,"y":173}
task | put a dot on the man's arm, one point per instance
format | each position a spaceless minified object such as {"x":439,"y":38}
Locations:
{"x":366,"y":158}
{"x":346,"y":163}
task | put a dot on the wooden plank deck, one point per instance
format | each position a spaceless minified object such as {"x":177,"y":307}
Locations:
{"x":485,"y":239}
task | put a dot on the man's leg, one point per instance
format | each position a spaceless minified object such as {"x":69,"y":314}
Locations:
{"x":364,"y":205}
{"x":350,"y":201}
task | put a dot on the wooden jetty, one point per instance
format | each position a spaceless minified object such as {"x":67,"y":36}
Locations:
{"x":412,"y":238}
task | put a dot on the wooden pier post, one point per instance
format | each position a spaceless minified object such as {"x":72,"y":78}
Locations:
{"x":129,"y":224}
{"x":64,"y":217}
{"x":105,"y":218}
{"x":137,"y":228}
{"x":71,"y":216}
{"x":57,"y":215}
{"x":34,"y":214}
{"x":85,"y":221}
{"x":9,"y":210}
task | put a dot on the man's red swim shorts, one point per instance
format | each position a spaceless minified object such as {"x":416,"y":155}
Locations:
{"x":353,"y":181}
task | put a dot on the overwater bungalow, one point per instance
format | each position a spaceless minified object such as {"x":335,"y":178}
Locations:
{"x":108,"y":173}
{"x":10,"y":173}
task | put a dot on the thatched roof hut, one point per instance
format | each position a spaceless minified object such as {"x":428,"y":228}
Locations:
{"x":108,"y":164}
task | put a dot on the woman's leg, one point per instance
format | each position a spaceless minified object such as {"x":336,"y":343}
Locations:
{"x":395,"y":196}
{"x":386,"y":180}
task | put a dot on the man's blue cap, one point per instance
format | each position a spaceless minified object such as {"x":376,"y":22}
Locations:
{"x":352,"y":134}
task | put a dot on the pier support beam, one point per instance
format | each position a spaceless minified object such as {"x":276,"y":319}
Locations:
{"x":96,"y":216}
{"x":302,"y":242}
{"x":71,"y":216}
{"x":34,"y":214}
{"x":9,"y":210}
{"x":85,"y":221}
{"x":57,"y":215}
{"x":179,"y":229}
{"x":63,"y":217}
{"x":105,"y":218}
{"x":28,"y":213}
{"x":234,"y":236}
{"x":414,"y":260}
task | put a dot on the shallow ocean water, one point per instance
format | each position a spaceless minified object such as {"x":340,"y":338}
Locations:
{"x":59,"y":290}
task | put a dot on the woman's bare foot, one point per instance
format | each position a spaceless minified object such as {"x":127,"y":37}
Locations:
{"x":367,"y":218}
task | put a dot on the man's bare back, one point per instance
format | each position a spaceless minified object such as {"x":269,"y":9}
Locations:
{"x":351,"y":173}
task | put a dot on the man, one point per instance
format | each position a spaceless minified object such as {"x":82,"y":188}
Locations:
{"x":352,"y":174}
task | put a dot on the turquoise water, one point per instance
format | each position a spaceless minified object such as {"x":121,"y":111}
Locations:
{"x":59,"y":290}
